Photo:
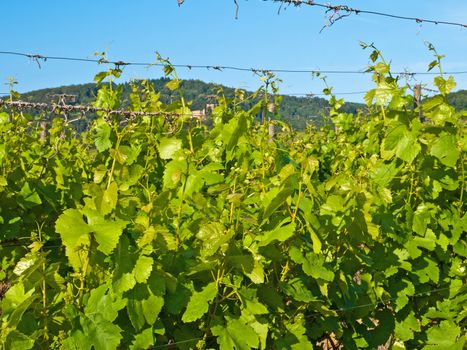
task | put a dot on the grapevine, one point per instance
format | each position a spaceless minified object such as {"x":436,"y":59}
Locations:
{"x":169,"y":233}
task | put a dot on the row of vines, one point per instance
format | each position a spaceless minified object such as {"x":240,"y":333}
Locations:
{"x":159,"y":232}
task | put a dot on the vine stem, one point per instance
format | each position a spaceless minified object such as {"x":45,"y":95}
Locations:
{"x":409,"y":200}
{"x":85,"y":272}
{"x":190,"y":139}
{"x":383,"y":112}
{"x":44,"y":286}
{"x":114,"y":160}
{"x":300,"y":195}
{"x":213,"y":307}
{"x":462,"y":180}
{"x":182,"y":199}
{"x":232,"y":206}
{"x":461,"y":196}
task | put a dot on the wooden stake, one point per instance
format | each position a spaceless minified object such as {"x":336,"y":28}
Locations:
{"x":43,"y":126}
{"x":417,"y":94}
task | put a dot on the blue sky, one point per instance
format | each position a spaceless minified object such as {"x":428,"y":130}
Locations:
{"x":206,"y":32}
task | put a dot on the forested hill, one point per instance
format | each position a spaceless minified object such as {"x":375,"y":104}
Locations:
{"x":295,"y":111}
{"x":458,"y":100}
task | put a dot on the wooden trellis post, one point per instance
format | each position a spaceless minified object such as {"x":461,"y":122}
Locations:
{"x":417,"y":94}
{"x":43,"y":126}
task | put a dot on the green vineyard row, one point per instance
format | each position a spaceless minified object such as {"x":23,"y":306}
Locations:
{"x":166,"y":233}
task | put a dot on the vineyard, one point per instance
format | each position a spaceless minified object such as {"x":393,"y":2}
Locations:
{"x":152,"y":229}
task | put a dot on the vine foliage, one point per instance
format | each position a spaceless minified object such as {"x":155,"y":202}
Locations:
{"x":148,"y":232}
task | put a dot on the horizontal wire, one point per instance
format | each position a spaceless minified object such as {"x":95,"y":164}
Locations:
{"x":54,"y":107}
{"x":340,"y":310}
{"x":336,"y":8}
{"x":294,"y":94}
{"x":38,"y":57}
{"x":383,"y":302}
{"x":311,"y":94}
{"x":63,"y":107}
{"x":9,"y":245}
{"x":350,"y":10}
{"x":179,"y":342}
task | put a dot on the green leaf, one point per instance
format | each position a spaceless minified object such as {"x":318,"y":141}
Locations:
{"x":445,"y":336}
{"x":134,"y":310}
{"x":281,"y":233}
{"x":379,"y":335}
{"x":124,"y":283}
{"x":17,"y":314}
{"x":74,"y":232}
{"x":4,"y":118}
{"x":99,"y":173}
{"x":194,"y":182}
{"x":168,"y":147}
{"x":104,"y":304}
{"x":152,"y":306}
{"x":108,"y":200}
{"x":18,"y":341}
{"x":273,"y":200}
{"x":384,"y":173}
{"x":199,"y":303}
{"x":408,"y":147}
{"x":400,"y":141}
{"x":395,"y":131}
{"x":235,"y":335}
{"x":231,"y":133}
{"x":426,"y":269}
{"x":384,"y":93}
{"x":102,"y":136}
{"x":102,"y":334}
{"x":173,"y":84}
{"x":422,"y":217}
{"x":445,"y":149}
{"x":312,"y":264}
{"x":71,"y":227}
{"x":77,"y":341}
{"x":251,"y":302}
{"x":405,"y":329}
{"x":99,"y":77}
{"x":25,"y":263}
{"x":143,"y":268}
{"x":241,"y":262}
{"x":2,"y":156}
{"x":296,"y":338}
{"x":445,"y":86}
{"x":257,"y":274}
{"x":107,"y":234}
{"x":143,"y":340}
{"x":213,"y":236}
{"x":296,"y":289}
{"x":173,"y":173}
{"x":334,"y":204}
{"x":130,"y":153}
{"x":432,"y":65}
{"x":15,"y":297}
{"x":262,"y":330}
{"x":176,"y":300}
{"x":440,"y":112}
{"x":406,"y":289}
{"x":30,"y":198}
{"x":428,"y":242}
